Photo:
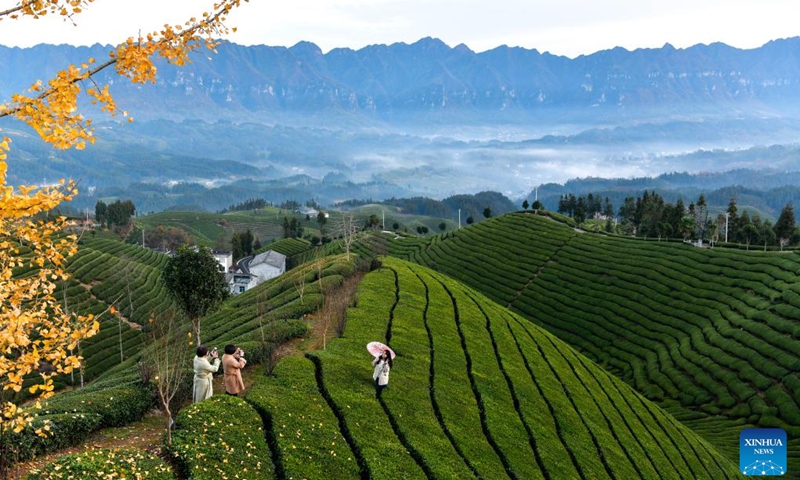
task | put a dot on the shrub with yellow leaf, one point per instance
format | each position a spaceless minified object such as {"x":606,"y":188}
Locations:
{"x":35,"y":331}
{"x":37,"y":334}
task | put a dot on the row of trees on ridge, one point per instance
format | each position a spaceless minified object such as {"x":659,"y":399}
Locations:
{"x":649,"y":216}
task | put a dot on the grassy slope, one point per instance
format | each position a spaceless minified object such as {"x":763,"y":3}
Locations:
{"x":206,"y":228}
{"x":476,"y":391}
{"x":710,"y":334}
{"x":406,"y":221}
{"x":267,"y":224}
{"x":107,"y":272}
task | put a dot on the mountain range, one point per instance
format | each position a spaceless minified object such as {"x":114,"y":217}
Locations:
{"x":420,"y":119}
{"x":402,"y":81}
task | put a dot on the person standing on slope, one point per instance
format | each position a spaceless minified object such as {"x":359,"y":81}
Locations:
{"x":232,"y":364}
{"x":380,"y":374}
{"x":203,"y":371}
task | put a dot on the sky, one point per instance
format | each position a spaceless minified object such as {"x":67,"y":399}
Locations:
{"x":564,"y":27}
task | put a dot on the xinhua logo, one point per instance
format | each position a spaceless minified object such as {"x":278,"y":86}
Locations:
{"x":762,"y":451}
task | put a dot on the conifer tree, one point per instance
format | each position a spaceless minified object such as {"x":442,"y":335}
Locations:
{"x":784,"y":227}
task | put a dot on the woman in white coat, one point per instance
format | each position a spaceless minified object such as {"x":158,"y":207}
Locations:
{"x":382,"y":364}
{"x":203,"y":371}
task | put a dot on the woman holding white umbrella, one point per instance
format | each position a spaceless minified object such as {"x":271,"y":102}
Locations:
{"x":382,"y":364}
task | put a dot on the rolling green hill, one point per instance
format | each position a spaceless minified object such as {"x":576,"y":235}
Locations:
{"x":710,"y":334}
{"x":476,"y":392}
{"x":211,"y":229}
{"x":287,"y":246}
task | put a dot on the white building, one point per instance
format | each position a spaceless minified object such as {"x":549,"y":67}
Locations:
{"x":225,"y":260}
{"x":253,"y":271}
{"x":311,"y":212}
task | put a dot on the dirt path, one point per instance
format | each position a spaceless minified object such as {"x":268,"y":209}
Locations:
{"x":124,"y":319}
{"x":146,"y":435}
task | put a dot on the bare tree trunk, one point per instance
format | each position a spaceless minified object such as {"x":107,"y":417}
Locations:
{"x":119,"y":334}
{"x":196,"y":328}
{"x":327,"y":325}
{"x":168,"y":414}
{"x":167,"y":358}
{"x":130,"y":305}
{"x":319,"y":264}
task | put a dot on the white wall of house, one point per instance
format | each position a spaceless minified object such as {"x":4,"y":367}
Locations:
{"x":263,"y":267}
{"x":225,"y":260}
{"x":267,"y":265}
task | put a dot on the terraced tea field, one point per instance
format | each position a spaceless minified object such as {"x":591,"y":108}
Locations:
{"x":288,"y":246}
{"x":710,"y":334}
{"x":270,"y":305}
{"x":104,"y":273}
{"x":476,"y":392}
{"x":206,"y":228}
{"x":117,"y":397}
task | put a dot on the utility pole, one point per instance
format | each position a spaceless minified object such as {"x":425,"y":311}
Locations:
{"x":459,"y":218}
{"x":383,"y":220}
{"x":142,"y":237}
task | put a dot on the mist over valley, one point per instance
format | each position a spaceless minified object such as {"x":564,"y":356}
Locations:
{"x":422,"y":119}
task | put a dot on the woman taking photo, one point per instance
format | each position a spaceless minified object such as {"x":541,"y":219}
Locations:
{"x":203,"y":371}
{"x":232,"y":364}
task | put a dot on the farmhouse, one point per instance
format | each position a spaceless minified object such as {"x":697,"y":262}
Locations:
{"x":311,"y":212}
{"x":225,"y":260}
{"x":253,"y":271}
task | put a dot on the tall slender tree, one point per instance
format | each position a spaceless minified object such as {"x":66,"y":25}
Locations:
{"x":732,"y":220}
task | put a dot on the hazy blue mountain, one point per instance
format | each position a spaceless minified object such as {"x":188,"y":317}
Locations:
{"x":401,"y":81}
{"x":425,"y":120}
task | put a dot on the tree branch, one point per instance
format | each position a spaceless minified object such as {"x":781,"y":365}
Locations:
{"x":27,"y":7}
{"x":52,"y":111}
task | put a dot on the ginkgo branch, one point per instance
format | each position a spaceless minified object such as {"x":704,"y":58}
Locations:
{"x":52,"y":112}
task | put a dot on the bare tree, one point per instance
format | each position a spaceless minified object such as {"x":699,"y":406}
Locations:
{"x":166,"y":361}
{"x":82,"y":365}
{"x":346,"y":228}
{"x":300,"y":284}
{"x":326,"y":310}
{"x":270,"y":352}
{"x":129,"y":293}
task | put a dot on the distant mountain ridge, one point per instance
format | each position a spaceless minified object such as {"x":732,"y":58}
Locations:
{"x":400,"y":81}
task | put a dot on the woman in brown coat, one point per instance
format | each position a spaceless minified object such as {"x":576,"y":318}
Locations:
{"x":232,"y":363}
